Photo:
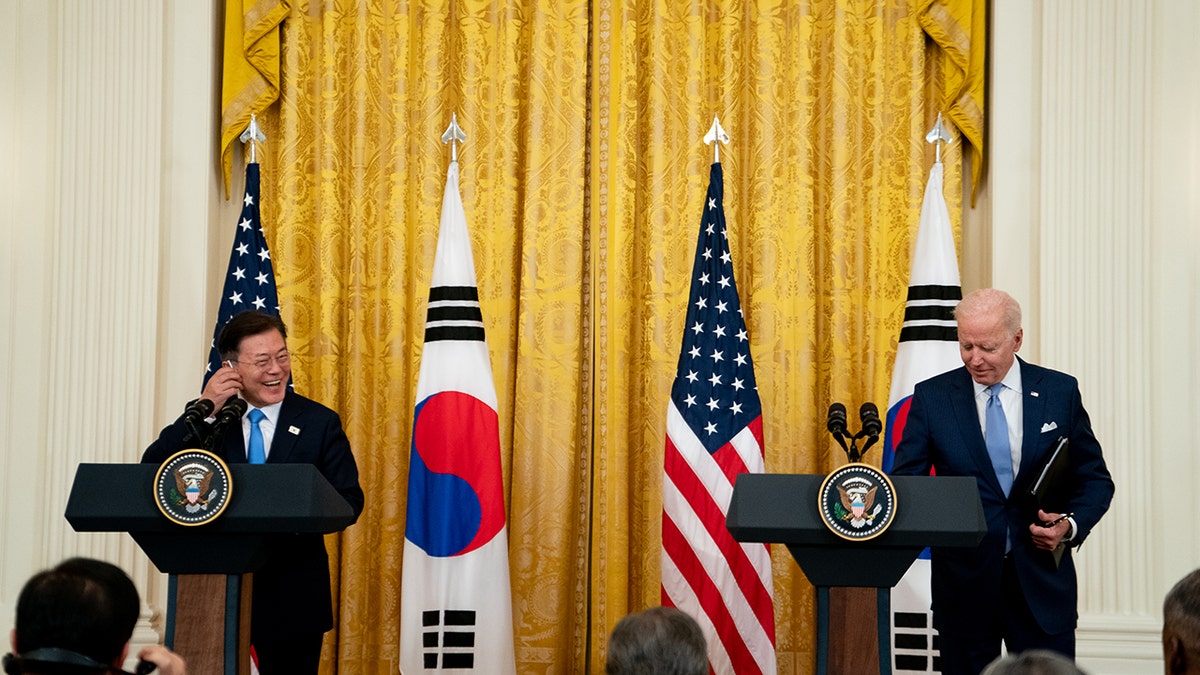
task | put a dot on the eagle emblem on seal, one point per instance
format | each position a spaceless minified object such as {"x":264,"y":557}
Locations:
{"x":858,"y":501}
{"x":192,"y":483}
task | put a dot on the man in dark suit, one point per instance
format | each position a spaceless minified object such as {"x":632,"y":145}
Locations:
{"x":292,"y":608}
{"x":999,"y":423}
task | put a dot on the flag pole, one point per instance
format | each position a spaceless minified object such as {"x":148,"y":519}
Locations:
{"x":251,"y":134}
{"x":454,"y":135}
{"x":938,"y":134}
{"x":716,"y":133}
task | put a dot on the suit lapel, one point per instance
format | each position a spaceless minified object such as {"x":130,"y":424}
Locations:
{"x":287,"y":430}
{"x":1034,"y":401}
{"x":234,"y":444}
{"x":967,"y":416}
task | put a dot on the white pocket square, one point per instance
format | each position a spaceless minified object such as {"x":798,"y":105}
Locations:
{"x":1048,"y":427}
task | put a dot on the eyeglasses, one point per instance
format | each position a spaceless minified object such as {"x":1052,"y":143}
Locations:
{"x":282,"y":358}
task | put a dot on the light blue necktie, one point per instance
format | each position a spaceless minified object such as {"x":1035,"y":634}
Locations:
{"x":997,"y":439}
{"x":258,"y":453}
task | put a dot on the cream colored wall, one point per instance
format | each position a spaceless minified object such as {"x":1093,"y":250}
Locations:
{"x":105,"y":254}
{"x":115,"y":232}
{"x":1091,"y":220}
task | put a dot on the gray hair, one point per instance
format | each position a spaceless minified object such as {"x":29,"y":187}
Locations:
{"x":658,"y":641}
{"x":1033,"y":662}
{"x":987,"y":301}
{"x":1181,"y":609}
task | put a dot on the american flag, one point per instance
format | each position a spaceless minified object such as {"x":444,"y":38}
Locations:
{"x":714,"y":433}
{"x":250,"y":282}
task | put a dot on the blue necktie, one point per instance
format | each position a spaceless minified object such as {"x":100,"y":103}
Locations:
{"x":997,"y":439}
{"x":258,"y":453}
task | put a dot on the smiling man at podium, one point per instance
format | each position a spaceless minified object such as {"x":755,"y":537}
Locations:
{"x":292,"y":607}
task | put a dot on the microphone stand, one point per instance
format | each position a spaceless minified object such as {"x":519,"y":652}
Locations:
{"x":853,"y":454}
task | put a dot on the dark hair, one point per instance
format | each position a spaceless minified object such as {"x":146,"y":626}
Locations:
{"x":244,"y":325}
{"x":1181,"y":609}
{"x":658,"y":641}
{"x":82,"y":605}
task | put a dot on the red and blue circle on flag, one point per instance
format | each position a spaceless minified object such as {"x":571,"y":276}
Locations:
{"x":455,"y":484}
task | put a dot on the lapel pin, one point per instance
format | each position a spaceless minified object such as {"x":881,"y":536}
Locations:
{"x":295,"y":431}
{"x":1032,"y":393}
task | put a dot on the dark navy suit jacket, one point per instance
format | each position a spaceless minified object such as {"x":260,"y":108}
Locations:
{"x":943,"y":433}
{"x":291,"y":592}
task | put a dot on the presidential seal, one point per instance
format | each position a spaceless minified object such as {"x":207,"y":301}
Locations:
{"x":192,"y":487}
{"x":857,"y":502}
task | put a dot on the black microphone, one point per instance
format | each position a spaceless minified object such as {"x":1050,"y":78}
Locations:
{"x":231,"y":412}
{"x":871,"y":424}
{"x":193,"y":419}
{"x":837,"y":419}
{"x":233,"y":409}
{"x":198,"y":411}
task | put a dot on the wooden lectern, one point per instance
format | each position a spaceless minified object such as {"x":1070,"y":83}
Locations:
{"x":210,"y":565}
{"x":854,"y":632}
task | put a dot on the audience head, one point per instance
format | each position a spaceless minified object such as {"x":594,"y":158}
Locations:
{"x":658,"y":641}
{"x":1033,"y":662}
{"x":84,"y":606}
{"x":1181,"y":627}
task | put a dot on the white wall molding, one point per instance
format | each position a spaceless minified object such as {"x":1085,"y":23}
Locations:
{"x":106,"y":150}
{"x":1094,"y":228}
{"x":1119,"y":646}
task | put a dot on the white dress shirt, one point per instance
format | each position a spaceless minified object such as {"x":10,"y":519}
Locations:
{"x":1014,"y":411}
{"x":266,"y":426}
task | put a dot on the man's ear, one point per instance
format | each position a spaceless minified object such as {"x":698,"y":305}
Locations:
{"x":124,"y":653}
{"x":1174,"y":654}
{"x":12,"y":641}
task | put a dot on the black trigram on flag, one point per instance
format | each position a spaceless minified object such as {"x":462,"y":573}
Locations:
{"x":915,"y":643}
{"x":929,"y":313}
{"x":454,"y":314}
{"x":448,"y":639}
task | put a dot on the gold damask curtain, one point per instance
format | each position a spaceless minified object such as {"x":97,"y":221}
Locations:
{"x":583,"y":177}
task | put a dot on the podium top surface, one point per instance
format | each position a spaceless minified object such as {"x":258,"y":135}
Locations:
{"x":930,"y":511}
{"x":265,"y":499}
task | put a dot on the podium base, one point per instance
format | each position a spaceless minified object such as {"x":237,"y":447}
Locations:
{"x":854,"y":631}
{"x":210,"y":627}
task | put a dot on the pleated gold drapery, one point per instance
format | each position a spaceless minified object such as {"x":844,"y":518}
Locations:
{"x":249,"y":68}
{"x":583,"y":177}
